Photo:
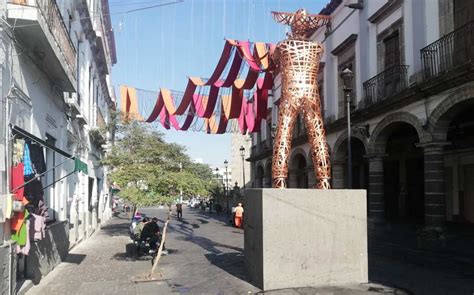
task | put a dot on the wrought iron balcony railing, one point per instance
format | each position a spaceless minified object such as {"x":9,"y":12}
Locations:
{"x":50,"y":11}
{"x":448,"y":52}
{"x":253,"y":151}
{"x":386,"y":84}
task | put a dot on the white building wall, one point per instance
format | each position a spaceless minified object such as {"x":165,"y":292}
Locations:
{"x":235,"y":163}
{"x":38,"y":106}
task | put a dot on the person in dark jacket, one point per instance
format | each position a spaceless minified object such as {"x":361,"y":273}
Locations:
{"x":151,"y":233}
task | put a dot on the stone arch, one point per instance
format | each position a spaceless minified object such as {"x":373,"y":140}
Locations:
{"x":259,"y":175}
{"x":268,"y":168}
{"x":378,"y":137}
{"x":296,"y":152}
{"x":336,"y":156}
{"x":297,"y":173}
{"x":442,"y":115}
{"x":267,"y":173}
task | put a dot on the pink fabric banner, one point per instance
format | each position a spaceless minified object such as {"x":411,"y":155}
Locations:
{"x":233,"y":106}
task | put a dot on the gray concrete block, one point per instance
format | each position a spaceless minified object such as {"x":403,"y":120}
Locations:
{"x":305,"y":237}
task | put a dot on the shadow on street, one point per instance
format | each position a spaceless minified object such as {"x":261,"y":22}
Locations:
{"x":395,"y":260}
{"x":232,"y":263}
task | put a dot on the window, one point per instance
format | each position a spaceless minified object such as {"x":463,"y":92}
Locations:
{"x":345,"y":53}
{"x":390,"y":60}
{"x":350,"y":64}
{"x":389,"y":47}
{"x":345,"y":60}
{"x":392,"y":50}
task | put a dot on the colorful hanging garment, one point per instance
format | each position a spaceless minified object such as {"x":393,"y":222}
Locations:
{"x":21,"y":234}
{"x":27,"y":165}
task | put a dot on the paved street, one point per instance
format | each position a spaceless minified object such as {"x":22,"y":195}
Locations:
{"x":205,"y":258}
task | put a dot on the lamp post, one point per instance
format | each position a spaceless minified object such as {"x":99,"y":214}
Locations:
{"x":226,"y":163}
{"x":242,"y":154}
{"x":180,"y":189}
{"x":347,"y":75}
{"x":217,"y":186}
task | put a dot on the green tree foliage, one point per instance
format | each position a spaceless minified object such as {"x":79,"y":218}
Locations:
{"x":150,"y":171}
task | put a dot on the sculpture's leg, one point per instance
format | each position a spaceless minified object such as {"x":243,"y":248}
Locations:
{"x":317,"y":139}
{"x":288,"y":109}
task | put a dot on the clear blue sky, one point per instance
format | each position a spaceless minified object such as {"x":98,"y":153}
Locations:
{"x":161,"y":47}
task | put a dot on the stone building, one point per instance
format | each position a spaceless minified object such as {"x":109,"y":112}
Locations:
{"x":238,"y":167}
{"x":411,"y":110}
{"x":57,"y":96}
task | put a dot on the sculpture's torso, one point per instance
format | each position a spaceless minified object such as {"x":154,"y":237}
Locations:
{"x":299,"y":63}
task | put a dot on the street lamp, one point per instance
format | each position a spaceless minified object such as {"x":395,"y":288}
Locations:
{"x":181,"y":188}
{"x":242,"y":154}
{"x":226,"y":184}
{"x":347,"y":75}
{"x":217,"y":186}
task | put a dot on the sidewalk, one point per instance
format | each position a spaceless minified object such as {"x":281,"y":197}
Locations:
{"x":100,"y":265}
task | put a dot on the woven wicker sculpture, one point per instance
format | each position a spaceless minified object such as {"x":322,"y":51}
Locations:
{"x":298,"y":61}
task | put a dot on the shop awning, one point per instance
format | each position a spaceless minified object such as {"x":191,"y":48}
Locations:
{"x":23,"y":133}
{"x":79,"y":166}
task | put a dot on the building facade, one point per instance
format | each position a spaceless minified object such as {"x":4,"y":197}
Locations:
{"x":57,"y":100}
{"x":412,"y":137}
{"x":237,"y":164}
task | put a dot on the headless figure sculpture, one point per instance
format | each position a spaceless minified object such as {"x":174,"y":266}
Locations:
{"x":298,"y":60}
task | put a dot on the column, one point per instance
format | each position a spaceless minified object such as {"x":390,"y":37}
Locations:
{"x":267,"y":181}
{"x":376,"y":188}
{"x":292,"y":181}
{"x":433,"y":232}
{"x":338,"y":175}
{"x":311,"y":177}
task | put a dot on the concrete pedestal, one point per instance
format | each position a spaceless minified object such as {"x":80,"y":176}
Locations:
{"x":305,"y":237}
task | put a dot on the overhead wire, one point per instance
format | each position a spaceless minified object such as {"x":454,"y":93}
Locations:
{"x":105,"y":14}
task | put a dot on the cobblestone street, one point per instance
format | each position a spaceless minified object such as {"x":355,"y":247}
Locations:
{"x":205,"y":257}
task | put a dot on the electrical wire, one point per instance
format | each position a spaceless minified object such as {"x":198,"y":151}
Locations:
{"x":105,"y":14}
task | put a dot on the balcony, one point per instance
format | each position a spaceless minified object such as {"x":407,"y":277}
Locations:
{"x":253,"y":151}
{"x":40,"y":28}
{"x":386,"y":84}
{"x":453,"y":50}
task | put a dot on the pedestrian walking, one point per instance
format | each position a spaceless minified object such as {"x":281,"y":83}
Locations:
{"x":179,"y":210}
{"x":239,"y":214}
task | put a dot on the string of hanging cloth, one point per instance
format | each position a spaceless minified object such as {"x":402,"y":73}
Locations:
{"x":237,"y":91}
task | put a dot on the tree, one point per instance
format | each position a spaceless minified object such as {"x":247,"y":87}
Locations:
{"x":150,"y":171}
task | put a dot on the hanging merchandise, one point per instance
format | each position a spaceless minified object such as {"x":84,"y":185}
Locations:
{"x":24,"y":236}
{"x":17,"y":221}
{"x":17,"y":181}
{"x":33,"y":190}
{"x":21,"y":235}
{"x":18,"y":150}
{"x":27,"y":165}
{"x":37,"y":227}
{"x":37,"y":158}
